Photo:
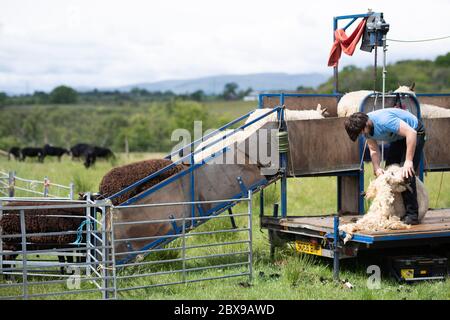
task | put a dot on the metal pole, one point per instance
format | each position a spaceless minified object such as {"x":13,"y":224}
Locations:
{"x":192,"y":184}
{"x":1,"y":239}
{"x":336,"y":248}
{"x":361,"y":176}
{"x":283,"y":158}
{"x":383,"y":88}
{"x":375,"y":64}
{"x":335,"y":69}
{"x":11,"y":183}
{"x":89,"y":249}
{"x":113,"y":250}
{"x":339,"y":193}
{"x":46,"y":187}
{"x":105,"y":256}
{"x":183,"y":252}
{"x":261,"y":203}
{"x":250,"y":235}
{"x":71,"y":192}
{"x":24,"y":254}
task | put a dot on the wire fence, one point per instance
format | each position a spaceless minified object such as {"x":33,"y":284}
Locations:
{"x":12,"y":185}
{"x":93,"y":250}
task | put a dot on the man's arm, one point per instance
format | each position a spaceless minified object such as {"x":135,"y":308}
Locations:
{"x":411,"y":139}
{"x":375,"y":156}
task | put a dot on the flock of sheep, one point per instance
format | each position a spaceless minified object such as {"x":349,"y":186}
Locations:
{"x":351,"y":101}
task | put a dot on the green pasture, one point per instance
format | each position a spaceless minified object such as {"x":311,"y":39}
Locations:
{"x":289,"y":276}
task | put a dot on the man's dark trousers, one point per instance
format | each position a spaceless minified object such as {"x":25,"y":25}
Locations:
{"x":396,"y":155}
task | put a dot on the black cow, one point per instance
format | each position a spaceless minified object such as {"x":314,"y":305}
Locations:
{"x":92,"y":153}
{"x":32,"y":152}
{"x":54,"y":151}
{"x":79,"y":149}
{"x":15,"y":151}
{"x":104,"y":153}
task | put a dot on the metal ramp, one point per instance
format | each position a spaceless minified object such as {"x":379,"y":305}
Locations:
{"x":207,"y":180}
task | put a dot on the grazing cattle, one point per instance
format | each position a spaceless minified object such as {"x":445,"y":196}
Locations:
{"x":15,"y":151}
{"x":92,"y":153}
{"x":79,"y":149}
{"x":54,"y":151}
{"x":32,"y":152}
{"x":103,"y":153}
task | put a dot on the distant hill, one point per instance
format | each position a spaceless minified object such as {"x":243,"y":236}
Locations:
{"x":430,"y":76}
{"x":215,"y":84}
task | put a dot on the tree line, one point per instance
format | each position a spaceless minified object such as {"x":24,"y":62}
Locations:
{"x":430,"y":76}
{"x":146,"y":128}
{"x":145,"y":120}
{"x":66,"y":95}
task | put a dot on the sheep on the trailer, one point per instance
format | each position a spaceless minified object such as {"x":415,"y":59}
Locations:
{"x":350,"y":103}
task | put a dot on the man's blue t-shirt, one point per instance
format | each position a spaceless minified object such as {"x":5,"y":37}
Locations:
{"x":386,"y":123}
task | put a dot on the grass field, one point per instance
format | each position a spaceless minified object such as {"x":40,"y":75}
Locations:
{"x":290,"y":276}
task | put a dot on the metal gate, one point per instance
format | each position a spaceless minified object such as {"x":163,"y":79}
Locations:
{"x":90,"y":267}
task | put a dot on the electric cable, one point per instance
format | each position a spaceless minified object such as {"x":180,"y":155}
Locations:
{"x":420,"y":40}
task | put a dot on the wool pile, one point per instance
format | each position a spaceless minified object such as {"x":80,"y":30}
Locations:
{"x":387,"y":207}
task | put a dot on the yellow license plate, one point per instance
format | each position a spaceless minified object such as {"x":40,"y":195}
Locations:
{"x":407,"y":273}
{"x":307,"y":247}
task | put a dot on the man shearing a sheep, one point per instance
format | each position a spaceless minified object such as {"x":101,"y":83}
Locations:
{"x":406,"y":136}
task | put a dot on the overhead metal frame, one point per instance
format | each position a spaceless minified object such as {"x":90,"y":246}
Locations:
{"x":352,"y":18}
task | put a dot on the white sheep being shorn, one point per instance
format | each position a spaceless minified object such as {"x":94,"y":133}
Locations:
{"x":387,"y":206}
{"x":241,"y":135}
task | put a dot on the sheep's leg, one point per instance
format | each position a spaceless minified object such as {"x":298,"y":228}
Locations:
{"x":61,"y":259}
{"x":233,"y":221}
{"x":9,"y":277}
{"x":69,"y":259}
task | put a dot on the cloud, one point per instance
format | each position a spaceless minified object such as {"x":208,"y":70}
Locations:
{"x":103,"y":43}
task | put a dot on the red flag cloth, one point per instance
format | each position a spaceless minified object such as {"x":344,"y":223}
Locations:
{"x":343,"y":42}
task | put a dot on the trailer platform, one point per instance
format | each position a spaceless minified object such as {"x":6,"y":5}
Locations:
{"x":315,"y":234}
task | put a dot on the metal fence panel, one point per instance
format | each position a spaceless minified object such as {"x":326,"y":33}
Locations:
{"x":220,"y":247}
{"x":214,"y":250}
{"x":12,"y":185}
{"x":32,"y":269}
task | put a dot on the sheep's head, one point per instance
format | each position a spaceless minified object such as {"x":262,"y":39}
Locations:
{"x":391,"y":178}
{"x":406,"y":89}
{"x":395,"y":179}
{"x":322,"y":111}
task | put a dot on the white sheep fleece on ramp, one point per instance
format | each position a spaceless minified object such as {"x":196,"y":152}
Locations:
{"x":241,"y":135}
{"x":387,"y":206}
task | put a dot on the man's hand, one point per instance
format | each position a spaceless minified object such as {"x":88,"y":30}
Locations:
{"x":379,"y":172}
{"x":408,"y":169}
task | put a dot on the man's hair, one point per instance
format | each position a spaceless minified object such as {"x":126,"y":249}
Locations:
{"x":355,"y":124}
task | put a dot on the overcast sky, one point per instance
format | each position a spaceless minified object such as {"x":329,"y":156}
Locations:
{"x":111,"y":43}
